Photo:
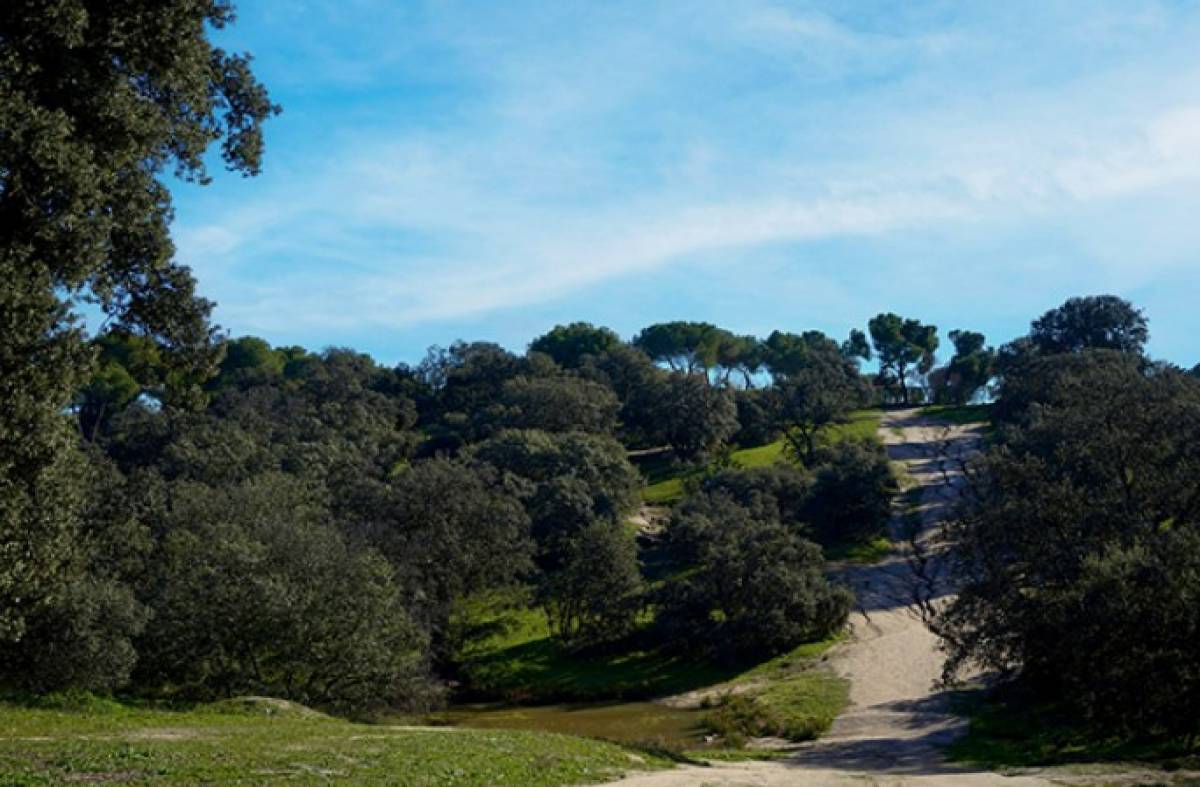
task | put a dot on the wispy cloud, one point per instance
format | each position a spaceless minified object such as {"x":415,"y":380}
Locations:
{"x":586,"y":144}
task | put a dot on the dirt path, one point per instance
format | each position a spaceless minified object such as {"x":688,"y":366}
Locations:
{"x":897,"y":724}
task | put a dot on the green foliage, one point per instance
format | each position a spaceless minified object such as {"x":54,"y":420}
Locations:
{"x":567,"y":481}
{"x":684,"y":346}
{"x":969,"y":369}
{"x":757,"y":416}
{"x":818,"y":391}
{"x":959,"y":414}
{"x":252,"y":594}
{"x":98,"y":99}
{"x":210,"y":745}
{"x":1078,"y":547}
{"x":449,"y":530}
{"x":1012,"y":729}
{"x":850,"y":501}
{"x":570,"y":345}
{"x":595,"y":595}
{"x":667,"y":478}
{"x":758,"y":588}
{"x":1096,"y":322}
{"x":780,"y":492}
{"x":693,"y":417}
{"x":904,"y":346}
{"x":556,"y":404}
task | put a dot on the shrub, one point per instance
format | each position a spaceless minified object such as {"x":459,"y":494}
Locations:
{"x":852,"y":495}
{"x":758,"y":589}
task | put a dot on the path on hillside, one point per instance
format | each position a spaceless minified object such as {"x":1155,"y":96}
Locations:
{"x":897,"y":724}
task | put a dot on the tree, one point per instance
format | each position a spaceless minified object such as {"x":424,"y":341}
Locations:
{"x":757,"y":416}
{"x":635,"y":379}
{"x":556,"y":404}
{"x":1095,"y":322}
{"x":594,"y":597}
{"x":820,"y":389}
{"x":567,"y":481}
{"x":448,"y":530}
{"x":570,"y":344}
{"x":1076,"y":546}
{"x":252,"y":594}
{"x":857,"y":346}
{"x":969,"y":370}
{"x":688,"y":347}
{"x":692,"y":416}
{"x":758,"y":589}
{"x":781,"y":492}
{"x":99,"y":99}
{"x":851,"y":499}
{"x":248,"y":361}
{"x":903,"y":346}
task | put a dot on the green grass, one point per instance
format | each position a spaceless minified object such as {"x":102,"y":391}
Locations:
{"x":870,"y":552}
{"x":521,"y":662}
{"x":1013,"y":734}
{"x":792,"y":696}
{"x":665,"y":479}
{"x":959,"y":414}
{"x":212,"y":745}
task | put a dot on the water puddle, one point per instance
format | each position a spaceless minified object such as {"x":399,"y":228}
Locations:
{"x":633,"y":722}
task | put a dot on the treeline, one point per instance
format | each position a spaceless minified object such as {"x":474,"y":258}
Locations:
{"x":1077,"y":547}
{"x":304,"y":524}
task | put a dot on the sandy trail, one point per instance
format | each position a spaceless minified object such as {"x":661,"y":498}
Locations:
{"x":897,"y":724}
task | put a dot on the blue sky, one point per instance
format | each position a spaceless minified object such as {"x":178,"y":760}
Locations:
{"x":486,"y":170}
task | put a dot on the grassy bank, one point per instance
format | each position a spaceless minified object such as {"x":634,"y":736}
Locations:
{"x":792,"y":696}
{"x":520,"y":662}
{"x":665,"y":480}
{"x":275,"y":743}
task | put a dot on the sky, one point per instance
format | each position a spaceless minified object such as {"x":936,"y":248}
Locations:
{"x":481,"y":170}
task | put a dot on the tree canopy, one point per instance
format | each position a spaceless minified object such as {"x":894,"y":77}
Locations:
{"x":902,"y":346}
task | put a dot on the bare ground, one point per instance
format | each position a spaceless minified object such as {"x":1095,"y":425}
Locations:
{"x":897,"y":724}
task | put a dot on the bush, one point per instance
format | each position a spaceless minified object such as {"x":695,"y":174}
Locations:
{"x":757,"y":416}
{"x":83,"y":639}
{"x":597,"y":593}
{"x":758,"y":589}
{"x":851,"y":499}
{"x":254,"y":595}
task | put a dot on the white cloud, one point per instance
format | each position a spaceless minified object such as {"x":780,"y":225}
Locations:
{"x":633,"y":148}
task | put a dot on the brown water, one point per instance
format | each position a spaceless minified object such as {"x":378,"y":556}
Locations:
{"x":634,"y":722}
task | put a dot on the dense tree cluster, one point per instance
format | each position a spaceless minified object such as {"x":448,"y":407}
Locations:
{"x":1078,"y":544}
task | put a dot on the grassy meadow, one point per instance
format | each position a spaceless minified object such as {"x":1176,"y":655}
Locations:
{"x":665,"y":479}
{"x":271,"y":742}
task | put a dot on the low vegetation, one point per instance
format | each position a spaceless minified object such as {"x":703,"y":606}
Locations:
{"x":52,"y":742}
{"x":667,"y":479}
{"x":1014,"y":730}
{"x":792,"y":697}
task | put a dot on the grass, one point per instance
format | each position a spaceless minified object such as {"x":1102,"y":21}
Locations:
{"x":665,"y":478}
{"x":225,"y":745}
{"x":791,"y":696}
{"x":959,"y":414}
{"x":866,"y":553}
{"x":519,"y":661}
{"x":1008,"y":733}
